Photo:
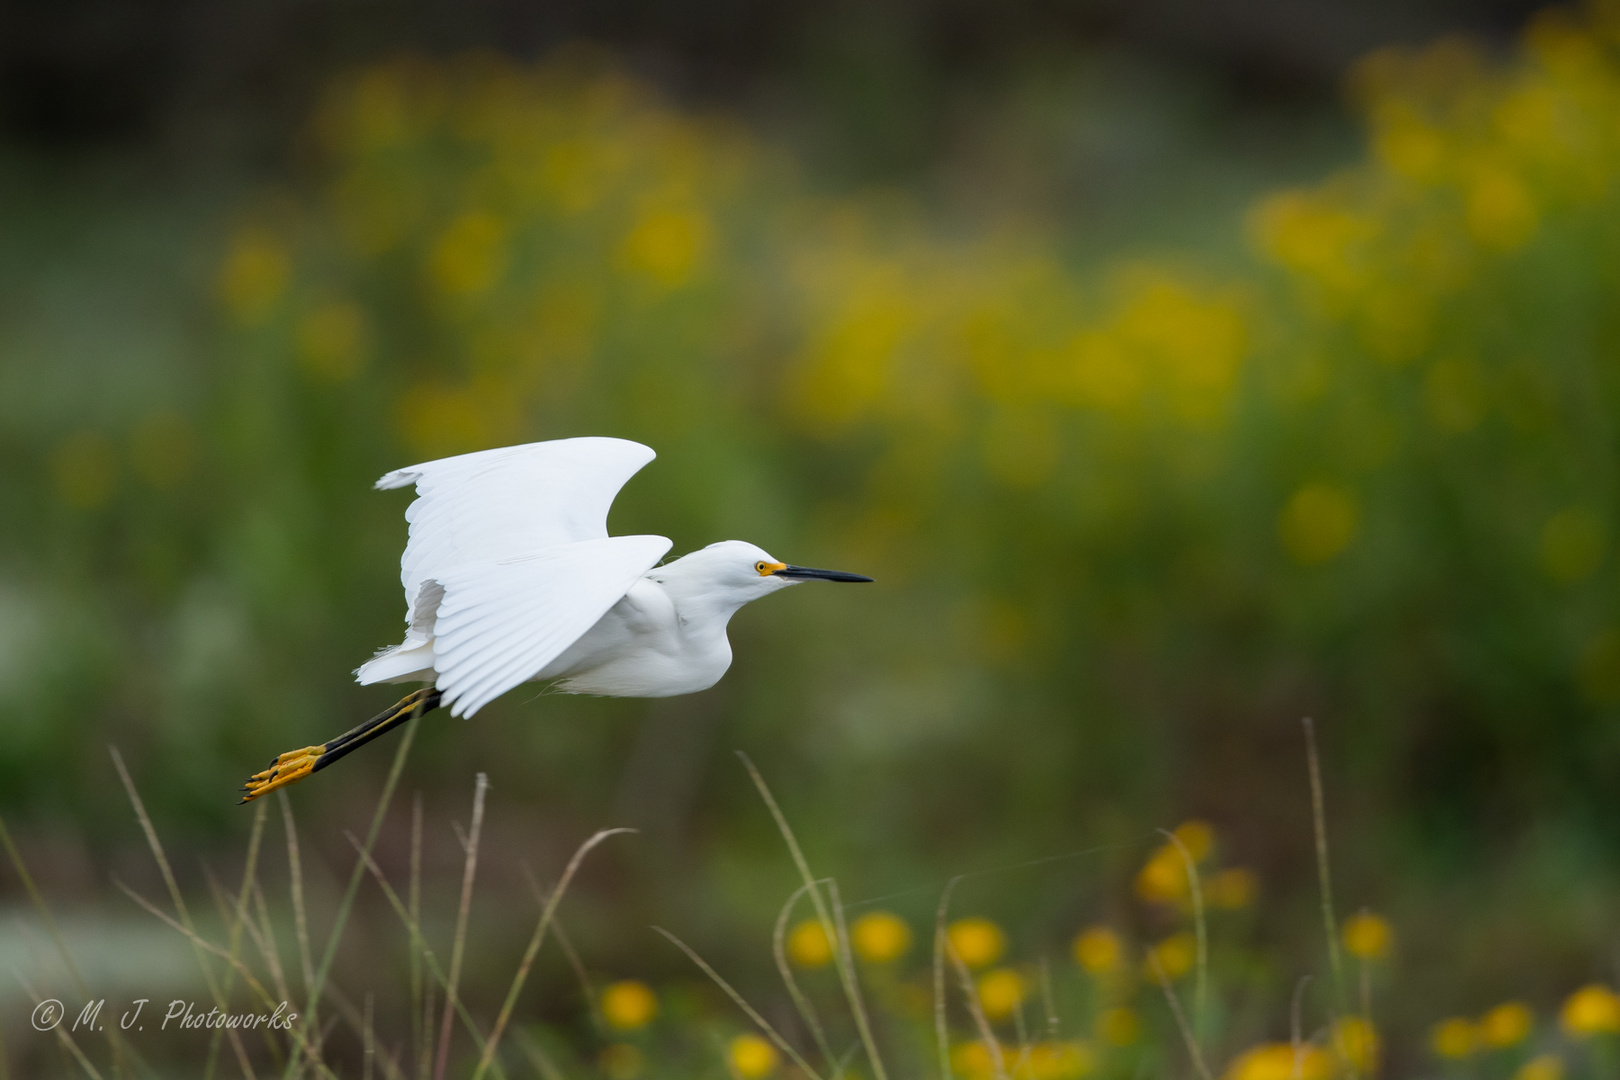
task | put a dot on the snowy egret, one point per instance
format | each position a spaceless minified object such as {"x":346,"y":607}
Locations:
{"x":510,"y":577}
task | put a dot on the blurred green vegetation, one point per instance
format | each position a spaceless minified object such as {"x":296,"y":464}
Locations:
{"x":1132,"y":515}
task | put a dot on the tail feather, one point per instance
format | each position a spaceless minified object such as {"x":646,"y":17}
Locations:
{"x":409,"y":662}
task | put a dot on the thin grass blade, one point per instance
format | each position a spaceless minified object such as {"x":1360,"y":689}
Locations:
{"x":770,"y":1032}
{"x":846,"y":970}
{"x":533,"y":949}
{"x":942,"y":1035}
{"x":1195,"y":887}
{"x":458,"y":947}
{"x":1193,"y":1051}
{"x":342,"y":917}
{"x":807,"y":1011}
{"x":998,"y":1060}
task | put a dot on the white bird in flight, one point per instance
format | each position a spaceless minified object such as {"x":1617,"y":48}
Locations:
{"x":510,"y":577}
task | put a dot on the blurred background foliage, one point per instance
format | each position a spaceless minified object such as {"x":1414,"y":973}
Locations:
{"x":1277,"y":421}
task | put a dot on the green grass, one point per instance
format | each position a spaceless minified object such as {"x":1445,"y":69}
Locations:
{"x":413,"y":1019}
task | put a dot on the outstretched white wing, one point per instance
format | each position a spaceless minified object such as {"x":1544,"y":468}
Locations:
{"x":509,"y":562}
{"x":500,"y":623}
{"x":496,"y":504}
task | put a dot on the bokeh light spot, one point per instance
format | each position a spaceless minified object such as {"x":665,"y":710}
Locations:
{"x":1318,"y":523}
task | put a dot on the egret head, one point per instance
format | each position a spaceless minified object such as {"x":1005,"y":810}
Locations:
{"x":741,"y":572}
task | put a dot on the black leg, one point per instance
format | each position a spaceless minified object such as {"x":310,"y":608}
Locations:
{"x":293,"y":766}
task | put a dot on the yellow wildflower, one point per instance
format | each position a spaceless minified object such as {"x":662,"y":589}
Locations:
{"x":667,"y":245}
{"x":1541,"y":1067}
{"x":254,"y":274}
{"x":1163,"y":878}
{"x":1065,"y":1060}
{"x":621,"y":1061}
{"x":973,"y":1060}
{"x":469,"y":256}
{"x":1198,"y":837}
{"x":1453,"y":1038}
{"x":1001,"y":992}
{"x":880,"y":937}
{"x":751,"y":1057}
{"x":979,"y":942}
{"x":1358,"y":1041}
{"x":1506,"y":1025}
{"x":808,"y":946}
{"x":1099,"y":950}
{"x":1280,"y":1061}
{"x":1366,"y":936}
{"x":1118,"y":1026}
{"x":1592,"y":1010}
{"x":1175,"y":954}
{"x":1232,"y":889}
{"x":1317,"y":523}
{"x":629,"y":1005}
{"x":1501,"y":211}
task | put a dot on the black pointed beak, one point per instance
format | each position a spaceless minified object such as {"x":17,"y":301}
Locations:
{"x":804,"y":572}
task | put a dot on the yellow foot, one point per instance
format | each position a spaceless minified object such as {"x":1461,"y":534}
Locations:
{"x":289,"y":768}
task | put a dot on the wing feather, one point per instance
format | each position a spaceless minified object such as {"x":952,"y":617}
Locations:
{"x":504,"y":503}
{"x":509,"y":562}
{"x":501,"y":623}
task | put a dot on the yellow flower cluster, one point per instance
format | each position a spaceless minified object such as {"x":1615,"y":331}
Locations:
{"x":1001,"y":992}
{"x":1505,"y":1026}
{"x":751,"y":1057}
{"x":1280,"y":1061}
{"x":496,"y":242}
{"x":1165,"y":877}
{"x":1047,"y":1060}
{"x":1367,"y":936}
{"x":1591,"y":1010}
{"x":1099,"y":951}
{"x":629,"y":1005}
{"x":1358,"y":1043}
{"x":978,"y":941}
{"x":878,"y":937}
{"x":498,"y":250}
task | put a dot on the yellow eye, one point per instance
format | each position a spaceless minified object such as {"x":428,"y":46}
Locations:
{"x":760,"y":566}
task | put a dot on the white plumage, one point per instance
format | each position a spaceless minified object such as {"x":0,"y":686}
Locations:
{"x":510,"y":577}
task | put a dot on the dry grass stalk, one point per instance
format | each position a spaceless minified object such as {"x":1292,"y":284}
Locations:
{"x":179,"y":905}
{"x":1187,"y":1036}
{"x":295,"y":889}
{"x":418,"y":1028}
{"x":998,"y":1061}
{"x":340,"y":922}
{"x":64,"y":1037}
{"x":116,"y":1044}
{"x":1195,"y":888}
{"x":569,"y":953}
{"x":1325,"y":880}
{"x":807,"y":1011}
{"x":428,"y":958}
{"x":846,"y":968}
{"x":742,"y":1003}
{"x":533,"y":949}
{"x":942,"y":1033}
{"x":458,"y":947}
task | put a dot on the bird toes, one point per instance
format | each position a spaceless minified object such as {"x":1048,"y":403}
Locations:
{"x":288,"y":768}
